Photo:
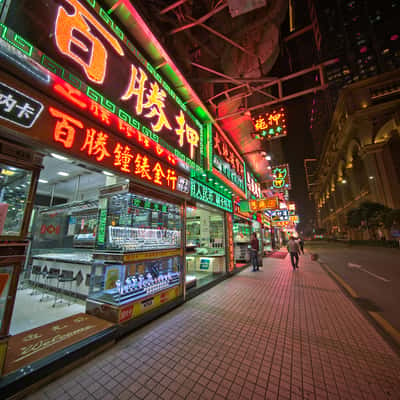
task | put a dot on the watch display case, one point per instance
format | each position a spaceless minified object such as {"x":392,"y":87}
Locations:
{"x":125,"y":290}
{"x":130,"y":222}
{"x":138,"y":257}
{"x":121,"y":284}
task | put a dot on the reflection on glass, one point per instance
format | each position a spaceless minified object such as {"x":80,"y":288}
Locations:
{"x":14,"y":190}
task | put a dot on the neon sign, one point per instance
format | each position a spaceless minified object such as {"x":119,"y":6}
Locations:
{"x":204,"y":193}
{"x":259,"y":204}
{"x":281,"y":177}
{"x":75,"y":135}
{"x":89,"y":43}
{"x":229,"y":229}
{"x":111,"y":121}
{"x":226,"y":161}
{"x":253,"y":186}
{"x":270,"y":125}
{"x":100,"y":146}
{"x":280,"y":215}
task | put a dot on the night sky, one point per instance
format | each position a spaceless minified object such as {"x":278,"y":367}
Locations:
{"x":298,"y":146}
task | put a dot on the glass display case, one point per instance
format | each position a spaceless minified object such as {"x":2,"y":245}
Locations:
{"x":130,"y":222}
{"x":119,"y":292}
{"x":241,"y":239}
{"x":138,"y":257}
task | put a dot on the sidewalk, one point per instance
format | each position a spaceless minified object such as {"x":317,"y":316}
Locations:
{"x":272,"y":334}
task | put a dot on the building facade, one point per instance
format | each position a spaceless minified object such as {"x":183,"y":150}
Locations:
{"x":360,"y":157}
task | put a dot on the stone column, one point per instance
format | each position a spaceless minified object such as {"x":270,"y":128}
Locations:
{"x":376,"y":165}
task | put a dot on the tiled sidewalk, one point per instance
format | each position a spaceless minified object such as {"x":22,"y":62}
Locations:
{"x":273,"y":334}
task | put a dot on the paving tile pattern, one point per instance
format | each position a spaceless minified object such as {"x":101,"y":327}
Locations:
{"x":273,"y":334}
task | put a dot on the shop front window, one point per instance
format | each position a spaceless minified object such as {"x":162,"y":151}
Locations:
{"x":14,"y":192}
{"x":205,"y":245}
{"x":241,"y":238}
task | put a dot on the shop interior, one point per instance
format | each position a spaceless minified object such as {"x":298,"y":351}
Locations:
{"x":241,"y":240}
{"x":54,"y":282}
{"x":205,"y":245}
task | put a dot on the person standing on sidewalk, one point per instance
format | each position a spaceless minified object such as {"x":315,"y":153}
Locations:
{"x":300,"y":242}
{"x":254,"y":247}
{"x":294,"y":250}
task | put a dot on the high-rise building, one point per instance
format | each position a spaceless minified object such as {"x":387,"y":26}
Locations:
{"x":363,"y":35}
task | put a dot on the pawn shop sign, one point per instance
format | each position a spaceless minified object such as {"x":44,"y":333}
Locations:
{"x":269,"y":203}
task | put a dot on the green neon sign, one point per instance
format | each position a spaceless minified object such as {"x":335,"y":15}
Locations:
{"x":204,"y":193}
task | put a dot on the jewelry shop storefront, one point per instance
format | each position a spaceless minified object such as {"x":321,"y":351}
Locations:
{"x":96,"y":173}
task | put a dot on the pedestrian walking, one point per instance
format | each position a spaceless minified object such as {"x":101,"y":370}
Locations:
{"x":254,"y":248}
{"x":300,"y":242}
{"x":294,"y":250}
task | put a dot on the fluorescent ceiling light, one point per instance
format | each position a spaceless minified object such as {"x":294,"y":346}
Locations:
{"x":58,"y":156}
{"x":43,"y":181}
{"x":108,"y":173}
{"x":63,"y":173}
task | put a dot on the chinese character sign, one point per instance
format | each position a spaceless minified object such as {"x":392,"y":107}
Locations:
{"x":271,"y":124}
{"x":253,"y":186}
{"x":226,"y":161}
{"x":281,"y":177}
{"x":269,"y":203}
{"x":18,"y":108}
{"x":280,"y":215}
{"x":81,"y":36}
{"x":102,"y":147}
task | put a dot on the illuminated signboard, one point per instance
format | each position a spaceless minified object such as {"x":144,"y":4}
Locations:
{"x":259,"y":204}
{"x":226,"y":161}
{"x":280,"y":224}
{"x":253,"y":186}
{"x":204,"y":193}
{"x":229,"y":230}
{"x":280,"y":215}
{"x":70,"y":133}
{"x":17,"y":107}
{"x":281,"y":177}
{"x":82,"y":37}
{"x":270,"y":125}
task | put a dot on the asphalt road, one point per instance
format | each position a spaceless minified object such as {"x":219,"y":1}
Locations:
{"x":373,"y":272}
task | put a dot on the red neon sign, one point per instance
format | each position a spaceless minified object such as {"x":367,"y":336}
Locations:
{"x":105,"y":149}
{"x":73,"y":36}
{"x":271,"y":124}
{"x":110,"y":120}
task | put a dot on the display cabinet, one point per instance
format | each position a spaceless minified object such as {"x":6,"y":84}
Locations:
{"x":138,"y":257}
{"x":241,"y":239}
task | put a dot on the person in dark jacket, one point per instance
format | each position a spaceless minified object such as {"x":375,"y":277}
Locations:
{"x":300,"y":242}
{"x":254,"y":248}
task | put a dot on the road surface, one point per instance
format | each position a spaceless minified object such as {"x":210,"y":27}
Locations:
{"x":373,"y":272}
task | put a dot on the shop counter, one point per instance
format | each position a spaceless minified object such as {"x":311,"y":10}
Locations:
{"x":206,"y":263}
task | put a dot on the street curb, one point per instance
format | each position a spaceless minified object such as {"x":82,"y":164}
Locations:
{"x":392,"y":333}
{"x":347,"y":287}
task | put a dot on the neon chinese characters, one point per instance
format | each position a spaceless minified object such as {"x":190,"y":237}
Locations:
{"x":270,"y":125}
{"x":72,"y":134}
{"x":74,"y":38}
{"x":104,"y":60}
